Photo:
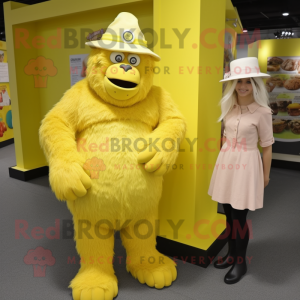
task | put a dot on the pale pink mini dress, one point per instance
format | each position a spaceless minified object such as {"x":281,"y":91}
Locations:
{"x":238,"y":177}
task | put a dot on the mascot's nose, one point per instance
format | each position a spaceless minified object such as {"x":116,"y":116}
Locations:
{"x":126,"y":67}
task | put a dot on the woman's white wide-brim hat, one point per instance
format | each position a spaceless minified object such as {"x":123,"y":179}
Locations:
{"x":124,"y":35}
{"x":244,"y":68}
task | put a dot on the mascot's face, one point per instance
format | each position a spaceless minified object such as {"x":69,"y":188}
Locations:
{"x":120,"y":78}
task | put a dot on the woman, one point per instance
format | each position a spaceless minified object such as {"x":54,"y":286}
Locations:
{"x":240,"y":176}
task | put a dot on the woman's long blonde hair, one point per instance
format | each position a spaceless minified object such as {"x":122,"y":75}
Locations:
{"x":260,"y":95}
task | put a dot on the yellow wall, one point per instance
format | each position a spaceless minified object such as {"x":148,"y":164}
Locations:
{"x":277,"y":47}
{"x":281,"y":47}
{"x":33,"y":103}
{"x":253,"y":49}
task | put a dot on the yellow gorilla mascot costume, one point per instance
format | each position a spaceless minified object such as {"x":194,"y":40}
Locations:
{"x":108,"y":142}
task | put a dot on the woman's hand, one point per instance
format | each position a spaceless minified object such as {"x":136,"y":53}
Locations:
{"x":267,"y":159}
{"x":266,"y":181}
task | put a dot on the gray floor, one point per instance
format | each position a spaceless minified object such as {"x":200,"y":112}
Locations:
{"x":274,"y":272}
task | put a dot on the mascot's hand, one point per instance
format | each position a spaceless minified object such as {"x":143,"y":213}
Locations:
{"x":68,"y":181}
{"x":156,"y":157}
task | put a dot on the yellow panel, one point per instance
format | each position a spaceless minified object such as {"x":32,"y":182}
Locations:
{"x":41,"y":11}
{"x":253,"y":49}
{"x":33,"y":102}
{"x":281,"y":47}
{"x":25,"y":106}
{"x":195,"y":95}
{"x":2,"y":45}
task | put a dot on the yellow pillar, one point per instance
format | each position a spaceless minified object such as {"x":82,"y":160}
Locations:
{"x":191,"y":46}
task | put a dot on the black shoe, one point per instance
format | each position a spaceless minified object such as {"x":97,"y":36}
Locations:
{"x":224,"y":262}
{"x":235,"y":274}
{"x":229,"y":258}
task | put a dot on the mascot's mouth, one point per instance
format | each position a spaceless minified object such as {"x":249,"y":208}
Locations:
{"x":122,"y":83}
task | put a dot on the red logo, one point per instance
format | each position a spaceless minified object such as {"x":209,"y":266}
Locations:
{"x":39,"y":258}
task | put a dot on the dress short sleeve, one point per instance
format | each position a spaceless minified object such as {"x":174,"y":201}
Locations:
{"x":265,"y":129}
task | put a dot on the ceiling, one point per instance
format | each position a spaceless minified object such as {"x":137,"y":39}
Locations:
{"x":2,"y":28}
{"x":267,"y":14}
{"x":262,"y":14}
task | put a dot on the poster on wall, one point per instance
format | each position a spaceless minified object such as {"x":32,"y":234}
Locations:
{"x":6,"y":125}
{"x":6,"y":122}
{"x":284,"y":95}
{"x":78,"y":65}
{"x":3,"y":57}
{"x":3,"y":67}
{"x":3,"y":72}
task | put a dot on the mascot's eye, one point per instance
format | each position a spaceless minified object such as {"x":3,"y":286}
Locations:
{"x":134,"y":59}
{"x":116,"y":57}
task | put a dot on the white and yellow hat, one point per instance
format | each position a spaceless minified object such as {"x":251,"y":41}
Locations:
{"x":124,"y":35}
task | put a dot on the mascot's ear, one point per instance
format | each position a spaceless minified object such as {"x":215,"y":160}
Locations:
{"x":96,"y":35}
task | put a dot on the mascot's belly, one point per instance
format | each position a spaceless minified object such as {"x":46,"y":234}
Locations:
{"x":121,"y":188}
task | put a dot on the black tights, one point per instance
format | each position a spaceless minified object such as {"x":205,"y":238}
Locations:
{"x":240,"y":234}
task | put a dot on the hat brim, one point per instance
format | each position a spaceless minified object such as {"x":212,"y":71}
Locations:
{"x":246,"y":76}
{"x":122,"y":47}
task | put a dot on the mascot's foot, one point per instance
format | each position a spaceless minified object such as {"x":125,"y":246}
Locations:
{"x":155,"y":270}
{"x":92,"y":284}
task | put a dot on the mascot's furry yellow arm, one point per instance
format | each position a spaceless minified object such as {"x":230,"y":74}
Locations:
{"x":109,"y":176}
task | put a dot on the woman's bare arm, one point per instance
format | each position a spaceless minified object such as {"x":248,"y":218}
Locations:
{"x":267,"y":159}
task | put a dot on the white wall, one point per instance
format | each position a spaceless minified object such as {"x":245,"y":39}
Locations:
{"x":240,"y":53}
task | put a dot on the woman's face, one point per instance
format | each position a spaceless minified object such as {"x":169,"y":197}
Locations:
{"x":244,"y":87}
